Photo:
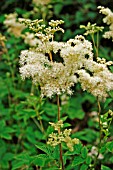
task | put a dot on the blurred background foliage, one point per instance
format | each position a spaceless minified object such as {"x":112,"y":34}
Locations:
{"x":24,"y":116}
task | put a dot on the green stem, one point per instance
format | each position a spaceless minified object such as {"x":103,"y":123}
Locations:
{"x":38,"y":125}
{"x":100,"y":133}
{"x":99,"y":111}
{"x":40,"y":121}
{"x":41,"y":124}
{"x":97,"y":42}
{"x":95,"y":47}
{"x":58,"y":104}
{"x":60,"y":145}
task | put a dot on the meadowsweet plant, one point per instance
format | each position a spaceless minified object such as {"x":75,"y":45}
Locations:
{"x":77,"y":66}
{"x":57,"y":66}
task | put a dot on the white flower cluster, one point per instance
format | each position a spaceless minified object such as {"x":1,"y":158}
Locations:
{"x":96,"y":79}
{"x":55,"y":77}
{"x":94,"y":152}
{"x":29,"y":38}
{"x":13,"y":25}
{"x":76,"y":65}
{"x":108,"y":20}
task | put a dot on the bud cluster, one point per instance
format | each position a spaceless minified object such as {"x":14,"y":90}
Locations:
{"x":62,"y":136}
{"x":91,"y":28}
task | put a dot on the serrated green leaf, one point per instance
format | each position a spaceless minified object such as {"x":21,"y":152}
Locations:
{"x":45,"y":148}
{"x":111,"y":159}
{"x":78,"y":148}
{"x":2,"y":18}
{"x":77,"y":160}
{"x":86,"y":134}
{"x":64,"y":118}
{"x":75,"y":109}
{"x":55,"y":153}
{"x":50,"y":129}
{"x":17,"y":165}
{"x":31,"y":135}
{"x":8,"y":156}
{"x":111,"y":92}
{"x":38,"y":135}
{"x":107,"y":102}
{"x":5,"y":130}
{"x":57,"y":8}
{"x":84,"y":167}
{"x":105,"y":168}
{"x":50,"y":109}
{"x":84,"y":152}
{"x":40,"y":159}
{"x":2,"y":123}
{"x":6,"y":136}
{"x":73,"y":113}
{"x":88,"y":160}
{"x":21,"y":160}
{"x":4,"y":164}
{"x":103,"y":149}
{"x":66,"y":125}
{"x":109,"y":146}
{"x":23,"y":157}
{"x":26,"y":114}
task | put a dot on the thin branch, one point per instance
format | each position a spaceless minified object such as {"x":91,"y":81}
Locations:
{"x":60,"y":145}
{"x":100,"y":132}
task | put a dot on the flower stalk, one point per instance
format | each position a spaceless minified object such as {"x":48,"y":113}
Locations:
{"x":60,"y":145}
{"x":100,"y":133}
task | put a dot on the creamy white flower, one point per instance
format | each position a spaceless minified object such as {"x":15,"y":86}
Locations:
{"x":13,"y":25}
{"x":108,"y":20}
{"x":30,"y":39}
{"x":55,"y":77}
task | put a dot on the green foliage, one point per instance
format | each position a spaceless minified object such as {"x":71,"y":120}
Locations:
{"x":105,"y":168}
{"x":24,"y":116}
{"x":81,"y":157}
{"x":5,"y":131}
{"x":50,"y":155}
{"x":73,"y":110}
{"x":86,"y":134}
